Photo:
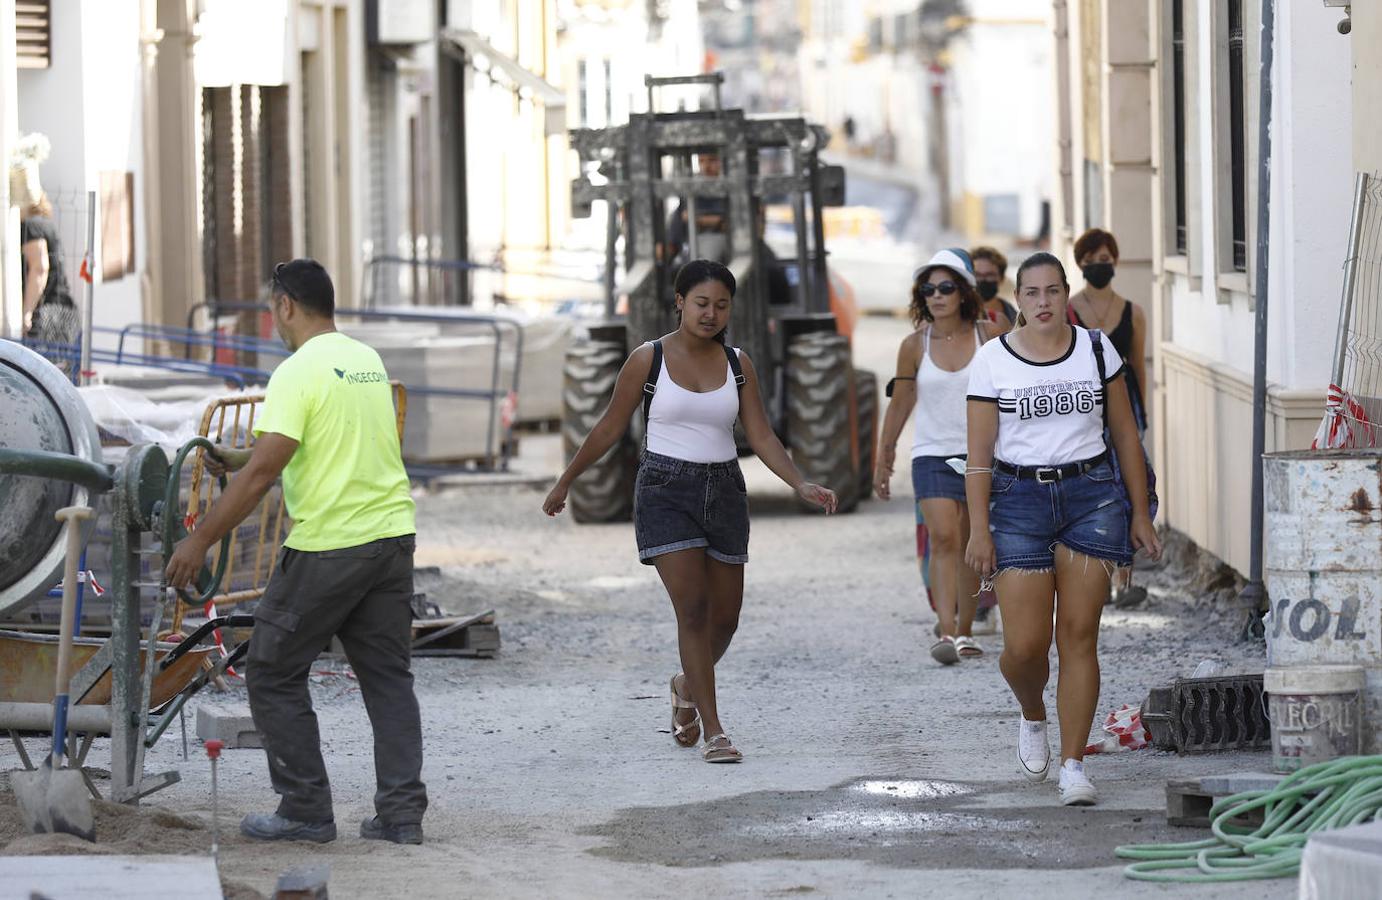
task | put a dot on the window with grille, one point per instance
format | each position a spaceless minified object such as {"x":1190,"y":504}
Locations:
{"x":609,"y":93}
{"x":583,"y":92}
{"x":1181,"y":238}
{"x":33,"y":34}
{"x":1237,"y":138}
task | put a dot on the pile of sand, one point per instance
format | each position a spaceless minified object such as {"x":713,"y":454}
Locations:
{"x":120,"y":830}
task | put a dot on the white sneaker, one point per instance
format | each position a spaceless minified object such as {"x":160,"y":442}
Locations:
{"x":1033,"y":752}
{"x":1075,"y":787}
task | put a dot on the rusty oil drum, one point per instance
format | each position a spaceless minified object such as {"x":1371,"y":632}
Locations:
{"x":1323,"y":568}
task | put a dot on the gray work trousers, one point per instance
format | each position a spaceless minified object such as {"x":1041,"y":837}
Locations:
{"x":363,"y":595}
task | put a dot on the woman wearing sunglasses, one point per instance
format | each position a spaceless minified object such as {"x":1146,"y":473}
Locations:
{"x":932,"y":380}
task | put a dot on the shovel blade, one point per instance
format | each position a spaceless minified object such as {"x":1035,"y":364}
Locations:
{"x":54,"y":801}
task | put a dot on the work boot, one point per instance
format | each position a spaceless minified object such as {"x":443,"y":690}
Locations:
{"x":274,"y":827}
{"x":376,"y":829}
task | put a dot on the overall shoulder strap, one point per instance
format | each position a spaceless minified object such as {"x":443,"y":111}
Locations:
{"x":735,"y":366}
{"x":650,"y":383}
{"x":1096,"y":337}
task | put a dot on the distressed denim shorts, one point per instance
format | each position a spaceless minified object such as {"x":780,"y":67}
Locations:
{"x":1086,"y":513}
{"x":680,"y":505}
{"x":932,"y":477}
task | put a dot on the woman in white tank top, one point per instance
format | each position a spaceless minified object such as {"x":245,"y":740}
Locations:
{"x":691,"y":513}
{"x":932,"y":380}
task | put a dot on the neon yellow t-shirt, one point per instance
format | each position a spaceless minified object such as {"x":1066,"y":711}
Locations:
{"x":345,"y":486}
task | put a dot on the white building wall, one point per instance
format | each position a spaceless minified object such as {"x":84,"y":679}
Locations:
{"x":11,"y":299}
{"x":1207,"y":362}
{"x":89,"y":103}
{"x":1311,"y":194}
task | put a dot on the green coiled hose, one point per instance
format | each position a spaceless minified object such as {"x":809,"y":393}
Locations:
{"x":209,"y":581}
{"x":1335,"y":794}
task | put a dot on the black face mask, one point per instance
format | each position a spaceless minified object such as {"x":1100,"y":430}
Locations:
{"x":1098,"y":274}
{"x":988,"y":289}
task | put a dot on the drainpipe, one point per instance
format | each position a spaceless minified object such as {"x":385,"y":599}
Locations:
{"x":1254,"y":596}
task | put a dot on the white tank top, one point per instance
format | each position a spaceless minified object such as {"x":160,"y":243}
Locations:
{"x":693,"y":425}
{"x":941,"y":400}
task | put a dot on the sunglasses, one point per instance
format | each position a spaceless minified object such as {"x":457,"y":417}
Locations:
{"x":946,"y":288}
{"x":280,"y":283}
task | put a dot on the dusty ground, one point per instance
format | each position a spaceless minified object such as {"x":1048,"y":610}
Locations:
{"x":870,"y":771}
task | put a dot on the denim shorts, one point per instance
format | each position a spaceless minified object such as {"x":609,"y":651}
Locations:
{"x":932,"y":478}
{"x":680,"y":505}
{"x":1086,"y":513}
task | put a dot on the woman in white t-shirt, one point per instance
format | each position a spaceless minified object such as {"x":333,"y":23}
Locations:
{"x":1049,"y":520}
{"x":932,"y":381}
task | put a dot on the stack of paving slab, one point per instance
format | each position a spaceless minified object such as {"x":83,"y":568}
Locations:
{"x":460,"y":356}
{"x":438,"y":428}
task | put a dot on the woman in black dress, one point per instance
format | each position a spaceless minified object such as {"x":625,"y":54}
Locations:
{"x":51,"y":320}
{"x":1099,"y":306}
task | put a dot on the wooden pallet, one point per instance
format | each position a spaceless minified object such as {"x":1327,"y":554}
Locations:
{"x":475,"y":636}
{"x":1188,"y":800}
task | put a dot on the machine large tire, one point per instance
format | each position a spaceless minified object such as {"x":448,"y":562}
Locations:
{"x":604,"y":492}
{"x":866,"y":389}
{"x":818,"y":421}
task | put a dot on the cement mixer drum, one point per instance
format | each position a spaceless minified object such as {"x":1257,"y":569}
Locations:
{"x":39,"y":410}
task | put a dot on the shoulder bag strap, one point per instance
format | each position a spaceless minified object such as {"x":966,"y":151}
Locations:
{"x":735,"y":366}
{"x":650,"y":383}
{"x":1096,"y":337}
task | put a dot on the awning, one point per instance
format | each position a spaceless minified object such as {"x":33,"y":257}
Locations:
{"x":467,"y":46}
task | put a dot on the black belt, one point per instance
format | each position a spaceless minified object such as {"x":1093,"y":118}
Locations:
{"x":1050,"y":474}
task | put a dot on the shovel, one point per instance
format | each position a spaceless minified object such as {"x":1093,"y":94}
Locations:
{"x":53,"y":799}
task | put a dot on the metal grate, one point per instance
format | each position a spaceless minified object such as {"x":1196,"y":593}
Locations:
{"x":1224,"y":713}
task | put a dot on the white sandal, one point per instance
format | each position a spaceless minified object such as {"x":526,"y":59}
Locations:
{"x":943,"y":651}
{"x":718,"y":749}
{"x":968,"y":647}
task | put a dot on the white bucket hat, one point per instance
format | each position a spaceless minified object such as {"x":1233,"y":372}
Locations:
{"x":952,"y":258}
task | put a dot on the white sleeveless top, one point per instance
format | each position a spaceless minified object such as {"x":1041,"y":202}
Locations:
{"x":940,"y":411}
{"x":693,"y":425}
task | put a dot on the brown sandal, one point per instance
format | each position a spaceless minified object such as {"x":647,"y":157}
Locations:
{"x":718,"y":749}
{"x":687,"y":735}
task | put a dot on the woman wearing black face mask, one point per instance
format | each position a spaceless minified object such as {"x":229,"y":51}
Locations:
{"x":1099,"y":306}
{"x":990,"y":268}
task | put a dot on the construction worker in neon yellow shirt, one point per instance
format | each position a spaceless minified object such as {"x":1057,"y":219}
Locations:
{"x":327,"y":428}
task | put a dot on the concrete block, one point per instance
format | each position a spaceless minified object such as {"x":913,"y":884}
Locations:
{"x":231,"y":725}
{"x":1345,"y":862}
{"x":1188,"y":800}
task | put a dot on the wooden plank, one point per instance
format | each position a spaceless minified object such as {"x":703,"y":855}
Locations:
{"x":109,"y":877}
